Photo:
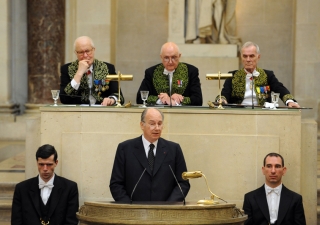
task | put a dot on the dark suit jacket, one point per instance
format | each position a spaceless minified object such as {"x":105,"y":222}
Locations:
{"x":64,"y":202}
{"x":193,"y":89}
{"x":272,"y":81}
{"x":130,"y":162}
{"x":291,"y":210}
{"x":76,"y":99}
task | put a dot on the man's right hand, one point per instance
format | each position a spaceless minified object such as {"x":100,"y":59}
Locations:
{"x":82,"y":68}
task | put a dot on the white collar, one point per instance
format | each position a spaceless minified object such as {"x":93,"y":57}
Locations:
{"x":49,"y":182}
{"x":255,"y":73}
{"x":166,"y":72}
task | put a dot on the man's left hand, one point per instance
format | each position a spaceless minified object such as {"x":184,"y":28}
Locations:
{"x":177,"y":98}
{"x":293,"y":105}
{"x":108,"y":101}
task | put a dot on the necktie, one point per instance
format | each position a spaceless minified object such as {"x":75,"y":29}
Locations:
{"x":255,"y":74}
{"x":42,"y":185}
{"x":151,"y":156}
{"x":275,"y":190}
{"x":45,"y":193}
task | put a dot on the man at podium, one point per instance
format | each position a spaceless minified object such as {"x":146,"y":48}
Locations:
{"x":149,"y":168}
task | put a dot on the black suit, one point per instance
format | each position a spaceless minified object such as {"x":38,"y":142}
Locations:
{"x":76,"y":97}
{"x":192,"y":90}
{"x":64,"y":202}
{"x":130,"y":162}
{"x":290,"y":208}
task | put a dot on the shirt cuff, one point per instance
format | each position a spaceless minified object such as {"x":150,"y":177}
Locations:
{"x":114,"y":97}
{"x":289,"y":100}
{"x":74,"y":84}
{"x":159,"y":102}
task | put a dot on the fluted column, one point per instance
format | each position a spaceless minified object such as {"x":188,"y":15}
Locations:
{"x":46,"y":48}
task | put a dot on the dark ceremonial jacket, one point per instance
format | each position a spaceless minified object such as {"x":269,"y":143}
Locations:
{"x":64,"y":202}
{"x":235,"y":87}
{"x":291,"y":210}
{"x":130,"y":162}
{"x":156,"y":82}
{"x":68,"y":95}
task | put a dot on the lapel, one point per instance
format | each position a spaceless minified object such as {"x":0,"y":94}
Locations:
{"x":261,"y":200}
{"x":285,"y":201}
{"x":35,"y":194}
{"x":55,"y":194}
{"x":160,"y":155}
{"x":140,"y":154}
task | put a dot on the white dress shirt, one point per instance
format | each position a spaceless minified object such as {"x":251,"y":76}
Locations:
{"x":146,"y":145}
{"x":247,"y":100}
{"x":46,"y":189}
{"x":273,"y":199}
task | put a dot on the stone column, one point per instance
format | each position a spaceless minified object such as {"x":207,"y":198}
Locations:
{"x":46,"y":44}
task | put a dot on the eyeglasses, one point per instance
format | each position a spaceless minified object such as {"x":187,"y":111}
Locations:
{"x":154,"y":125}
{"x":88,"y":52}
{"x":173,"y":58}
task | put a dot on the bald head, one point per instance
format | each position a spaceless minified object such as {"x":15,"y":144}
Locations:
{"x":169,"y":46}
{"x":170,"y":56}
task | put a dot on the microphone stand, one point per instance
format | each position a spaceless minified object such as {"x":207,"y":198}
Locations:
{"x":169,"y":76}
{"x":252,"y":90}
{"x":90,"y":87}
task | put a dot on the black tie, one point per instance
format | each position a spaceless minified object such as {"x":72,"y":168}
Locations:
{"x":151,"y":156}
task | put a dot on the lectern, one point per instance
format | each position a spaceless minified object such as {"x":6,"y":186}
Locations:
{"x":98,"y":213}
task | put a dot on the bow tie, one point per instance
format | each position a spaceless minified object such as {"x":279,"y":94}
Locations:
{"x":166,"y":72}
{"x":41,"y":185}
{"x":255,"y":74}
{"x":275,"y":190}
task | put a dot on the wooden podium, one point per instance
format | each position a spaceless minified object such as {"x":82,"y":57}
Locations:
{"x":158,"y":213}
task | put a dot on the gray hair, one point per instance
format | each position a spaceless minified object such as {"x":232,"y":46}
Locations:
{"x":82,"y":37}
{"x":143,"y":114}
{"x":250,"y":43}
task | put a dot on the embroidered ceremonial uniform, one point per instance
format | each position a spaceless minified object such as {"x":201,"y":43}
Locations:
{"x":234,"y":88}
{"x":185,"y":81}
{"x":102,"y":87}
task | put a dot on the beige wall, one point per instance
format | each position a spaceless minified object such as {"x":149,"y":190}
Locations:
{"x":5,"y":84}
{"x":307,"y":55}
{"x":89,"y":18}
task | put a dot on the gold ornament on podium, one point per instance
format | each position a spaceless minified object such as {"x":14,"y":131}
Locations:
{"x":197,"y":174}
{"x":118,"y":77}
{"x":218,"y":76}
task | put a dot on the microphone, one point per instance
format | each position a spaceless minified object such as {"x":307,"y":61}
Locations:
{"x":169,"y":78}
{"x":197,"y":174}
{"x":90,"y":88}
{"x":190,"y":175}
{"x":252,"y":89}
{"x":137,"y":184}
{"x":184,"y":198}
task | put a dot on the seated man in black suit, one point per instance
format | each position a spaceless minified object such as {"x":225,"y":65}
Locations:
{"x":238,"y":89}
{"x":77,"y":76}
{"x":183,"y":77}
{"x":148,"y":162}
{"x":273,"y":203}
{"x":47,"y":198}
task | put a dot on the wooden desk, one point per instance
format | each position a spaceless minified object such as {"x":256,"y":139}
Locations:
{"x":228,"y":146}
